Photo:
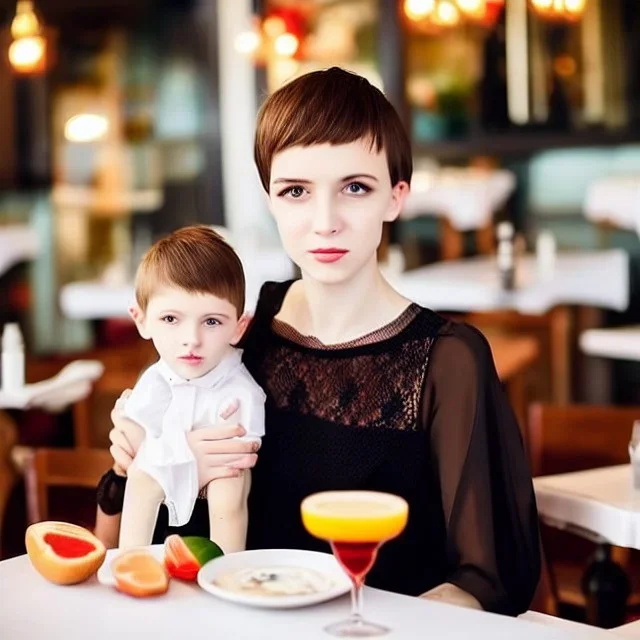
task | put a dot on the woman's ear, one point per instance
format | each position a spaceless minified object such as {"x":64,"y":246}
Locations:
{"x":137,"y":315}
{"x":243,"y":323}
{"x":399,"y":194}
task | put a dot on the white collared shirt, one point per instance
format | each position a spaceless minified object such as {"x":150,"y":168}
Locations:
{"x":168,"y":406}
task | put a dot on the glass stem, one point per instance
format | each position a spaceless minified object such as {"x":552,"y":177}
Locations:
{"x":356,"y":601}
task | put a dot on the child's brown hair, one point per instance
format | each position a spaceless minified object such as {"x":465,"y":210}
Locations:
{"x":196,"y":259}
{"x":332,"y":106}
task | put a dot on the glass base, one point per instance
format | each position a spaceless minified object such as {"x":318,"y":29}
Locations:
{"x":356,"y":627}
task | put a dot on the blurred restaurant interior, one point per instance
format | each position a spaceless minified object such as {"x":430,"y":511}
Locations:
{"x":122,"y":120}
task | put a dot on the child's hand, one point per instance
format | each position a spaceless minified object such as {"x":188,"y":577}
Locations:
{"x":126,"y":436}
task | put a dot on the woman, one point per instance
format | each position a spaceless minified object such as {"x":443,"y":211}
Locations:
{"x":365,"y":389}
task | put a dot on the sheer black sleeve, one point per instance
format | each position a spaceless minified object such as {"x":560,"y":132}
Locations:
{"x":488,"y":501}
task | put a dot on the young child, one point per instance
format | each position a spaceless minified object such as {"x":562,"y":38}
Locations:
{"x":189,"y":300}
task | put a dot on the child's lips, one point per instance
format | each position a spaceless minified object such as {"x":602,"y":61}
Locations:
{"x":191,"y":359}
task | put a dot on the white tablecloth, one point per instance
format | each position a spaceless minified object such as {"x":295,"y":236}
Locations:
{"x":614,"y":199}
{"x":631,"y":630}
{"x":621,"y":343}
{"x":33,"y":609}
{"x":467,"y":197}
{"x":589,"y":278}
{"x":17,"y":244}
{"x":95,"y":300}
{"x":601,"y":501}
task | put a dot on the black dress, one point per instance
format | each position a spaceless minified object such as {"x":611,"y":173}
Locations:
{"x":414,"y":409}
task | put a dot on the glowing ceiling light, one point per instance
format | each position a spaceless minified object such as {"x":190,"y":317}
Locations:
{"x":86,"y":127}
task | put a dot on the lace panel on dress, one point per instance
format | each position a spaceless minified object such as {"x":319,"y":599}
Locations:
{"x":352,"y":385}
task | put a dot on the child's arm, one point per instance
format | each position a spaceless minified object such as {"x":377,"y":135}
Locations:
{"x":228,"y":513}
{"x":227,"y":497}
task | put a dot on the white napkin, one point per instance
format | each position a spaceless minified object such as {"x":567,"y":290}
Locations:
{"x":72,"y":384}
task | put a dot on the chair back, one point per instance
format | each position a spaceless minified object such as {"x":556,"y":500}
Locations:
{"x":46,"y":468}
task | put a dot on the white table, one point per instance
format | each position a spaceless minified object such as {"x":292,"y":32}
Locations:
{"x":17,"y":244}
{"x":600,"y":501}
{"x":33,"y":609}
{"x":620,"y":343}
{"x":96,"y":300}
{"x":616,"y":200}
{"x":588,"y":278}
{"x":468,"y":198}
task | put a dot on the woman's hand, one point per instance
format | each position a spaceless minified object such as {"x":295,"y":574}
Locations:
{"x":451,"y":594}
{"x":216,"y":454}
{"x":126,"y":436}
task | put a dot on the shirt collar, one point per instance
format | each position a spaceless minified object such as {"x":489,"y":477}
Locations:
{"x":226,"y":366}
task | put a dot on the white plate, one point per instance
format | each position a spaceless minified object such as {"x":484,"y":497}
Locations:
{"x":104,"y":572}
{"x":322,"y":563}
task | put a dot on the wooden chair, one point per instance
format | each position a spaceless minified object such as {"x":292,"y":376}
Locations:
{"x":514,"y":357}
{"x":122,"y":367}
{"x":46,"y":468}
{"x":565,"y":438}
{"x":8,"y":473}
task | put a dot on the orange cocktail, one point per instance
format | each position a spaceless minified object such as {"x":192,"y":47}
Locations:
{"x":356,"y":523}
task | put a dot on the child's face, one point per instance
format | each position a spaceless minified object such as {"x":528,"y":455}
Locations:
{"x":191,"y":332}
{"x":333,"y":197}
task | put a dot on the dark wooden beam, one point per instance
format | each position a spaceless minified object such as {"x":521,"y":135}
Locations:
{"x":392,"y":56}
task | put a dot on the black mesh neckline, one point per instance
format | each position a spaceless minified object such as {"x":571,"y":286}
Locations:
{"x":388,"y":331}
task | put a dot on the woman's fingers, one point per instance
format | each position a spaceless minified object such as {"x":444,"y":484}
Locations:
{"x":119,"y":440}
{"x":120,"y":457}
{"x":217,"y":447}
{"x":219,"y":432}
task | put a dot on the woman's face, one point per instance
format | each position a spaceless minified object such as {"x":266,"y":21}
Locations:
{"x":330,"y":202}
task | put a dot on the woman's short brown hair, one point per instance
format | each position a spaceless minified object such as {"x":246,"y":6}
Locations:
{"x":196,"y":259}
{"x":332,"y":106}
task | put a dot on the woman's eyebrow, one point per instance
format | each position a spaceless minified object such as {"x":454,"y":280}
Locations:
{"x":296,"y":180}
{"x":359,"y":175}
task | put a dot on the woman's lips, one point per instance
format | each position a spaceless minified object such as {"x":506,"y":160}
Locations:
{"x":331,"y":254}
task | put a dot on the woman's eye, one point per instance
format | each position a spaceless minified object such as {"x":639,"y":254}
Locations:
{"x":211,"y":322}
{"x":169,"y":319}
{"x":357,"y":188}
{"x":295,"y":192}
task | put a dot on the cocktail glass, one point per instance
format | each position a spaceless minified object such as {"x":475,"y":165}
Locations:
{"x":356,"y":524}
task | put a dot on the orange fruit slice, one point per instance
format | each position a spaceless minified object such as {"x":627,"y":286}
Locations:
{"x":63,"y":553}
{"x":139,"y":574}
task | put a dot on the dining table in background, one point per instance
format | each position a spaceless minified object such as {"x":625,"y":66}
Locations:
{"x":18,"y":243}
{"x":599,"y":504}
{"x":614,"y":201}
{"x":584,"y":279}
{"x":462,"y":199}
{"x":617,"y":343}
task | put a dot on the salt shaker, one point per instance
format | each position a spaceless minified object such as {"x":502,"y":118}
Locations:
{"x":12,"y":357}
{"x":506,"y":255}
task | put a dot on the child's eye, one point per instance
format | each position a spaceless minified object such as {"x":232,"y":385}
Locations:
{"x":294,"y":192}
{"x":357,"y":188}
{"x":212,"y":322}
{"x":169,"y":319}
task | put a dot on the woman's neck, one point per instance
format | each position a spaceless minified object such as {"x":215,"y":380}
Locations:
{"x":337,"y":313}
